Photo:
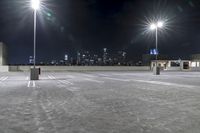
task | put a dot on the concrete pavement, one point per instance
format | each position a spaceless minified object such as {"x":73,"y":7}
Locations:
{"x":100,"y":102}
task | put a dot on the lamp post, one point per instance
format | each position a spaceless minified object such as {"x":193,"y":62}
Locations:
{"x":35,"y":4}
{"x":156,"y":26}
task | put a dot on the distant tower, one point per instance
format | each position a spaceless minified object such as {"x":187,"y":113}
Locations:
{"x":78,"y":61}
{"x":30,"y":59}
{"x":66,"y":59}
{"x":105,"y":55}
{"x":3,"y":54}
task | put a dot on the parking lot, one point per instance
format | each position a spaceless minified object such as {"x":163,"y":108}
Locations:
{"x":100,"y":102}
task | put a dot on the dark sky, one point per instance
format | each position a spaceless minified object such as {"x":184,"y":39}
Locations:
{"x":66,"y":26}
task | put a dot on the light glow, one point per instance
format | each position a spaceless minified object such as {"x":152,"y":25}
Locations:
{"x":157,"y":25}
{"x":160,"y":24}
{"x":193,"y":64}
{"x":153,"y":26}
{"x":35,"y":4}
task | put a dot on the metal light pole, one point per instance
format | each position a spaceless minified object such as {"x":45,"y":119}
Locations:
{"x":157,"y":46}
{"x":34,"y":49}
{"x":35,"y":71}
{"x":155,"y":27}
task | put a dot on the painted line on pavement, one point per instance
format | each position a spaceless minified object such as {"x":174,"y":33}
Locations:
{"x":153,"y":82}
{"x":93,"y":80}
{"x":103,"y":75}
{"x":124,"y":80}
{"x":3,"y":78}
{"x":61,"y":81}
{"x":65,"y":82}
{"x":31,"y":84}
{"x":51,"y":77}
{"x":89,"y":76}
{"x":164,"y":83}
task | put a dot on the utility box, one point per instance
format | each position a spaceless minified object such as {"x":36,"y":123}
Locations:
{"x":34,"y":75}
{"x":156,"y":70}
{"x":3,"y":54}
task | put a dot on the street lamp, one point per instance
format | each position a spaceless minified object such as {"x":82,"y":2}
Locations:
{"x":35,"y":4}
{"x":156,"y":26}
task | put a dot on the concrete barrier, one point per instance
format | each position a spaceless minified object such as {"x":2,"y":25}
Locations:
{"x":82,"y":68}
{"x":195,"y":68}
{"x":173,"y":69}
{"x":4,"y":68}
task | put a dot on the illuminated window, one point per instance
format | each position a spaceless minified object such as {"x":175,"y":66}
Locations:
{"x":193,"y":64}
{"x":197,"y":64}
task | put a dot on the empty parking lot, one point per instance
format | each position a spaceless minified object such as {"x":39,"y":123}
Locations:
{"x":100,"y":102}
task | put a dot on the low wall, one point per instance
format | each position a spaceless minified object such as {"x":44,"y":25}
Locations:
{"x":4,"y":68}
{"x":195,"y":68}
{"x":173,"y":68}
{"x":82,"y":68}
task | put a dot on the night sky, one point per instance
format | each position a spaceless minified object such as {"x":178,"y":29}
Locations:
{"x":67,"y":26}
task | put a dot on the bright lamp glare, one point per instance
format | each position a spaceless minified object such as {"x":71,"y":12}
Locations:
{"x":153,"y":26}
{"x":160,"y":24}
{"x":35,"y":4}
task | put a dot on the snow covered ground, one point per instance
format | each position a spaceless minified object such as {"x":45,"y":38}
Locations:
{"x":100,"y":102}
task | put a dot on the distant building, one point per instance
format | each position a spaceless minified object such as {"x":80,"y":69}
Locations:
{"x":195,"y":61}
{"x":105,"y":56}
{"x":78,"y":58}
{"x":172,"y":64}
{"x":147,"y":58}
{"x":121,"y":57}
{"x":66,"y":60}
{"x":31,"y":60}
{"x":3,"y":54}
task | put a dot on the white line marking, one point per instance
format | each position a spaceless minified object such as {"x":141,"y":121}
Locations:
{"x":93,"y":80}
{"x":90,"y":76}
{"x":29,"y":82}
{"x":61,"y":81}
{"x":103,"y":75}
{"x":65,"y":82}
{"x":51,"y":77}
{"x":3,"y":79}
{"x":164,"y":83}
{"x":33,"y":83}
{"x":73,"y":89}
{"x":116,"y":79}
{"x":70,"y":76}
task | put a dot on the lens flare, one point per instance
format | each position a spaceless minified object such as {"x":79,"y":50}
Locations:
{"x":35,"y":4}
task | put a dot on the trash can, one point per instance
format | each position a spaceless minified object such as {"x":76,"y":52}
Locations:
{"x":156,"y":70}
{"x":39,"y":71}
{"x":34,"y":75}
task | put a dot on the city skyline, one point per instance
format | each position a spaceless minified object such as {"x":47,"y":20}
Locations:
{"x":75,"y":25}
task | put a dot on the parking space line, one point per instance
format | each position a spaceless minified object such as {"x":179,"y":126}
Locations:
{"x":93,"y":80}
{"x":61,"y":81}
{"x":124,"y":80}
{"x":31,"y":84}
{"x":65,"y":82}
{"x":164,"y":83}
{"x":89,"y":76}
{"x":28,"y":83}
{"x":103,"y":75}
{"x":3,"y":78}
{"x":51,"y":77}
